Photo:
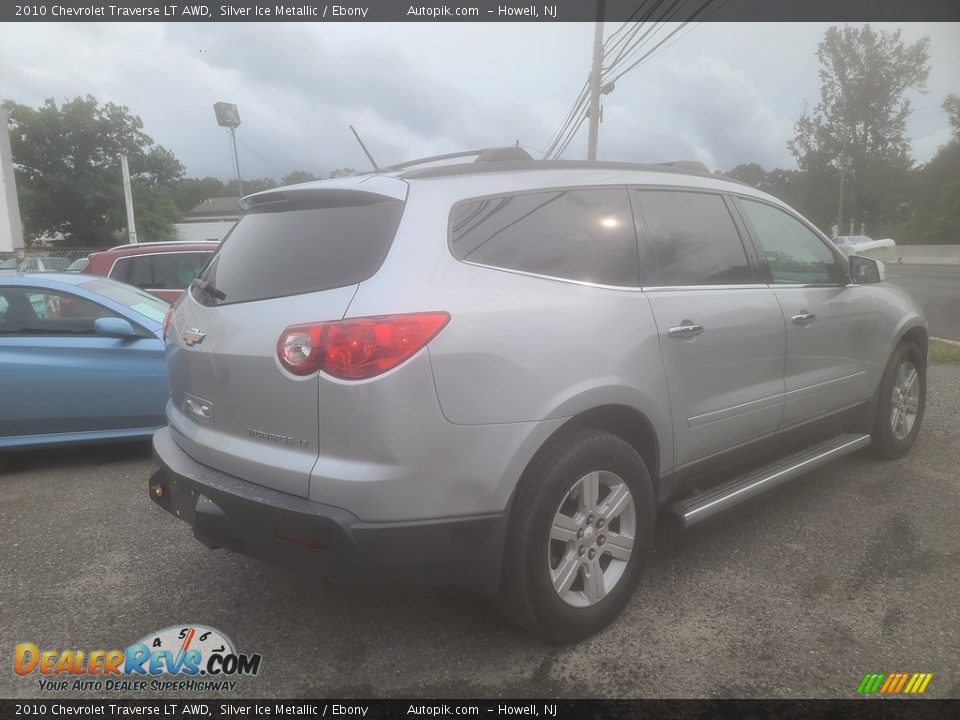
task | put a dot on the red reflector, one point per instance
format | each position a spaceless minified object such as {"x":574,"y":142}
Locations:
{"x":297,"y":540}
{"x":358,"y":348}
{"x":166,"y":323}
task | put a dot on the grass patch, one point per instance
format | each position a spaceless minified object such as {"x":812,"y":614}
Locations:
{"x":944,"y":353}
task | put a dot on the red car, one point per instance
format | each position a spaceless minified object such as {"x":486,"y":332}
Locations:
{"x":164,"y":269}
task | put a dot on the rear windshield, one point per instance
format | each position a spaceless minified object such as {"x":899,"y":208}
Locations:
{"x":327,"y":240}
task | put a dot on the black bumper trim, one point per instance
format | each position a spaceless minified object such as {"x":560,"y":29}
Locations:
{"x":323,"y":540}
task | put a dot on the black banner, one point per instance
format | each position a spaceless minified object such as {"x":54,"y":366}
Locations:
{"x":477,"y":11}
{"x":547,"y":709}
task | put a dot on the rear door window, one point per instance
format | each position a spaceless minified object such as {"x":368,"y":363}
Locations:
{"x":585,"y":235}
{"x":161,"y":271}
{"x":690,"y":239}
{"x":317,"y":241}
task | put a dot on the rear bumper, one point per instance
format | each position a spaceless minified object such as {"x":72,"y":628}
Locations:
{"x":314,"y":538}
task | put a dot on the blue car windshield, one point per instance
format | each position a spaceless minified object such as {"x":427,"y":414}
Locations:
{"x":133,"y":298}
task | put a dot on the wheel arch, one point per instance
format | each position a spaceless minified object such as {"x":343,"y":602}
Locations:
{"x":626,"y":422}
{"x":917,"y":335}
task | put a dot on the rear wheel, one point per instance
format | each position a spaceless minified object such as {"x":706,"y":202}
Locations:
{"x":579,"y":537}
{"x":901,"y":399}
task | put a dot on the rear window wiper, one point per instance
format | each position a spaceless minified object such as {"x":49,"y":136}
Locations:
{"x":207,"y":287}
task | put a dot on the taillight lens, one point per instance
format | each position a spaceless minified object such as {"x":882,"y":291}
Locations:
{"x":166,"y":323}
{"x":358,"y":348}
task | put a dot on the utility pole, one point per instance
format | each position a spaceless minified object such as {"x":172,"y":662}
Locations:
{"x":11,"y":227}
{"x":595,"y":82}
{"x":128,"y":196}
{"x":843,"y":173}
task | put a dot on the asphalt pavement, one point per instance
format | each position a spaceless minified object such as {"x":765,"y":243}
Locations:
{"x":798,"y":593}
{"x":937,"y":289}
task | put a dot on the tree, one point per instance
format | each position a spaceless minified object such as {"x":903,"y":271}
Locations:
{"x":342,"y":172}
{"x":750,"y":173}
{"x":862,"y":116}
{"x":952,"y":106}
{"x":298,"y":176}
{"x":68,"y":171}
{"x":250,"y":186}
{"x":935,"y":217}
{"x":190,"y":192}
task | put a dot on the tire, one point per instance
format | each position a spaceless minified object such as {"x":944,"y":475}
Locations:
{"x":891,"y":442}
{"x":592,"y":588}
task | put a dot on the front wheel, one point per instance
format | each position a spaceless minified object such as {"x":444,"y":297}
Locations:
{"x":901,"y":399}
{"x":579,"y":537}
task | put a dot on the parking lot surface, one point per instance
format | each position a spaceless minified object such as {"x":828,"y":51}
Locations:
{"x":935,"y":288}
{"x":799,"y":593}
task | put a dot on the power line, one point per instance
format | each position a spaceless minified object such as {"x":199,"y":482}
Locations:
{"x":680,"y":27}
{"x":570,"y":118}
{"x":627,"y":44}
{"x":282,"y":172}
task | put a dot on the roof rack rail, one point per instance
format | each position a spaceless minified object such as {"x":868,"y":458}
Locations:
{"x":686,"y":165}
{"x":680,"y":167}
{"x":491,"y":154}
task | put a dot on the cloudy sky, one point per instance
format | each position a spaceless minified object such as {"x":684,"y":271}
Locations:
{"x":724,"y":93}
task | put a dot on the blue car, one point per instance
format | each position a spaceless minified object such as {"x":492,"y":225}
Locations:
{"x":81,"y":360}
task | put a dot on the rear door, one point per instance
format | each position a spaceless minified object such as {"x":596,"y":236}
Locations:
{"x":296,"y":257}
{"x":833,"y":328}
{"x":721,"y":331}
{"x":58,"y":376}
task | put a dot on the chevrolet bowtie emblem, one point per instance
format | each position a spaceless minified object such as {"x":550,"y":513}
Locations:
{"x":193,"y":337}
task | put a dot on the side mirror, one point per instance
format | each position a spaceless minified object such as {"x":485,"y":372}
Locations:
{"x":114,"y":327}
{"x":865,"y":270}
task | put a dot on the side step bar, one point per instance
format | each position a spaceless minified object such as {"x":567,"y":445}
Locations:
{"x":717,"y":499}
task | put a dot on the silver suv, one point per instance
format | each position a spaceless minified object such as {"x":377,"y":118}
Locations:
{"x":495,"y":373}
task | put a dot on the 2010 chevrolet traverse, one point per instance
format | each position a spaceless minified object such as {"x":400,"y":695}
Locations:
{"x":493,"y":373}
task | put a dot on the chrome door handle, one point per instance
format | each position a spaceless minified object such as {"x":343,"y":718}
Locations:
{"x":685,"y":331}
{"x":803,"y":318}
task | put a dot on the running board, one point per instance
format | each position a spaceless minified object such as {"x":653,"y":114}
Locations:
{"x":717,"y":499}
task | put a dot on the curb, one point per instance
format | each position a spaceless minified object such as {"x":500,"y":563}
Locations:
{"x":948,"y":342}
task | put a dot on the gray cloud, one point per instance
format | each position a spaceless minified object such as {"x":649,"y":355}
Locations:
{"x":723,"y":94}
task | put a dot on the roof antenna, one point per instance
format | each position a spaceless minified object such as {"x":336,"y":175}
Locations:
{"x":366,"y":152}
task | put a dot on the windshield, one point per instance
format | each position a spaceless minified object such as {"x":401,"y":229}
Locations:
{"x":137,"y":300}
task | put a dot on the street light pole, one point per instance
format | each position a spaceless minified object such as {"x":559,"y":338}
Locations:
{"x":236,"y":159}
{"x":595,"y":83}
{"x":229,"y":117}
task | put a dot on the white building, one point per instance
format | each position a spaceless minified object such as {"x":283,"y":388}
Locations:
{"x":210,"y":220}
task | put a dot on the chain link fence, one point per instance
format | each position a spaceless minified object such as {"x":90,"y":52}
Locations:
{"x":44,"y":259}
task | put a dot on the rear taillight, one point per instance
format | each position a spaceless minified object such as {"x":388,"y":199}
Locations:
{"x":166,"y":323}
{"x":358,"y":348}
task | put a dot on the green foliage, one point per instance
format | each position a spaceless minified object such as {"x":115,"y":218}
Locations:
{"x":952,"y":107}
{"x":813,"y":192}
{"x":68,"y":171}
{"x":861,"y":119}
{"x":934,"y":218}
{"x":253,"y":185}
{"x":342,"y":172}
{"x":298,"y":176}
{"x":190,"y":192}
